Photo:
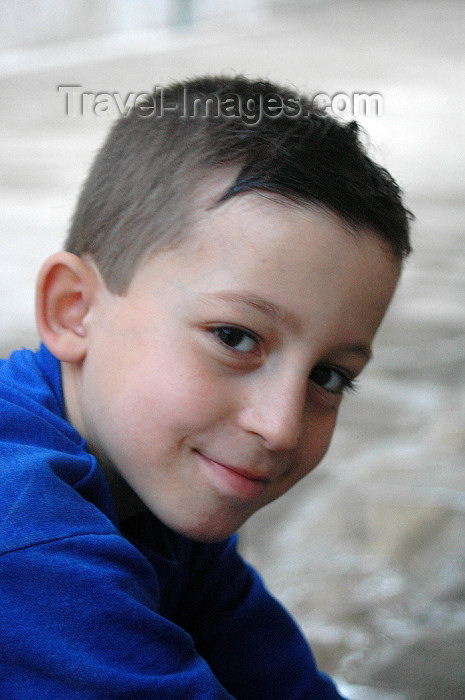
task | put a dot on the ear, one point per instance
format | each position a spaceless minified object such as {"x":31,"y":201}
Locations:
{"x":66,"y":287}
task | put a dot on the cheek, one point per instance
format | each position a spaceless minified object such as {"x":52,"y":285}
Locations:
{"x":314,"y":443}
{"x":316,"y":438}
{"x":171,"y":392}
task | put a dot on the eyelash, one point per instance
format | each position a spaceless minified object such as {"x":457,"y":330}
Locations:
{"x":346,"y":382}
{"x":220,"y":331}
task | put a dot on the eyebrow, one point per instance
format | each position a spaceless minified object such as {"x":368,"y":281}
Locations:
{"x":282,"y":315}
{"x":273,"y":311}
{"x":355,"y":349}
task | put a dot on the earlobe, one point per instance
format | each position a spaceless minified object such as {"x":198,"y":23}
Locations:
{"x":65,"y":289}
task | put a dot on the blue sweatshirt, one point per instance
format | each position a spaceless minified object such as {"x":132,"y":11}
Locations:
{"x":92,"y":609}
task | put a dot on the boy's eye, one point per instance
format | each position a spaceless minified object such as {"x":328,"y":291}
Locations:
{"x":236,"y":338}
{"x":331,"y":379}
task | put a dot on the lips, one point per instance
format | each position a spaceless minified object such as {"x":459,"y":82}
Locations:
{"x":231,"y":480}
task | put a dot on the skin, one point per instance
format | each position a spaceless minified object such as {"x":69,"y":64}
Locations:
{"x":213,"y":385}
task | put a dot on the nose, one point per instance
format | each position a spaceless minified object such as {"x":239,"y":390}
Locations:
{"x":274,"y":409}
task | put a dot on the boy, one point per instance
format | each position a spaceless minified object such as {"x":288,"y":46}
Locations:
{"x":220,"y":290}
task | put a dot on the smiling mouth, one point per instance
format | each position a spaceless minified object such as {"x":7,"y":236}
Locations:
{"x":232,"y":481}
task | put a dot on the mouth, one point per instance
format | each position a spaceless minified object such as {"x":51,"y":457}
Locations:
{"x":233,"y":481}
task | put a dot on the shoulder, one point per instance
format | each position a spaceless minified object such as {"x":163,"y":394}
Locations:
{"x":50,"y":483}
{"x":30,"y":395}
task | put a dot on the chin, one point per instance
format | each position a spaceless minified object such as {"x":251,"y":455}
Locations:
{"x":208,"y":536}
{"x":207,"y":532}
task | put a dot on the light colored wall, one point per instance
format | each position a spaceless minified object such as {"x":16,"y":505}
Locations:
{"x":26,"y":23}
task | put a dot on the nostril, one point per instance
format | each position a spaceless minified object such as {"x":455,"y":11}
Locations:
{"x":278,"y":429}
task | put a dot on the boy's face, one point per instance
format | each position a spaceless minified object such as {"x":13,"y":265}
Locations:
{"x":214,"y":384}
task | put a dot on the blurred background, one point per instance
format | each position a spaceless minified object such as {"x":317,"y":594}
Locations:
{"x":368,"y":551}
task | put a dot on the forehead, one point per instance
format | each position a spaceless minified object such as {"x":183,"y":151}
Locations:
{"x":296,"y":263}
{"x":209,"y":206}
{"x":258,"y":216}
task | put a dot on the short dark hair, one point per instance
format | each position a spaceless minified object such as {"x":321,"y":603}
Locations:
{"x":140,"y":189}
